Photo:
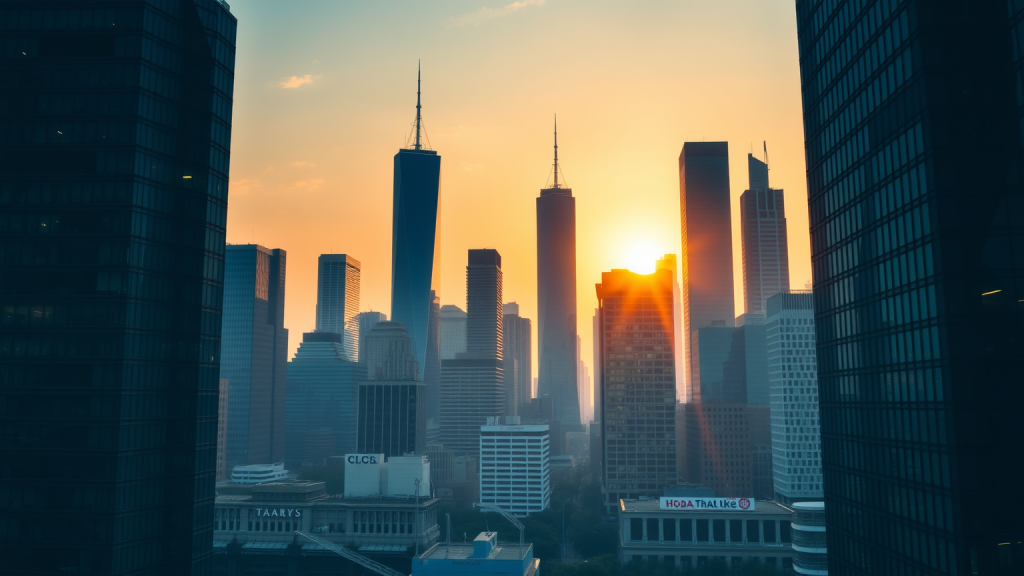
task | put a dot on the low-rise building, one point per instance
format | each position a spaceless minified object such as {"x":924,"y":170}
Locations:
{"x":258,"y":473}
{"x":810,"y":555}
{"x":484,"y":557}
{"x":688,"y":530}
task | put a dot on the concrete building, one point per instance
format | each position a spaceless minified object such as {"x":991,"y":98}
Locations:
{"x":484,"y":557}
{"x":222,"y":430}
{"x":258,"y":473}
{"x":453,"y":331}
{"x":322,"y":395}
{"x":638,"y":374}
{"x":556,"y":298}
{"x":518,"y":357}
{"x":810,"y":553}
{"x":337,"y":300}
{"x":473,"y":384}
{"x":706,"y":227}
{"x":711,"y":528}
{"x":254,"y":528}
{"x":515,"y":466}
{"x":763,"y":235}
{"x":254,"y":353}
{"x":793,"y":372}
{"x":392,"y":401}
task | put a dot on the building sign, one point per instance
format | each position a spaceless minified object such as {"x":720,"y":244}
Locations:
{"x":279,"y":512}
{"x":362,"y":458}
{"x":710,"y":504}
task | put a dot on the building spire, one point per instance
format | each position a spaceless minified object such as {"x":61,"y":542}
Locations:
{"x":556,"y":151}
{"x":417,"y":145}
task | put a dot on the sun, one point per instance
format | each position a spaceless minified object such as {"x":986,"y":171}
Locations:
{"x":641,"y":258}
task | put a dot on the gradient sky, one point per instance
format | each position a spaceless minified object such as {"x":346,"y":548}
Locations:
{"x":325,"y":95}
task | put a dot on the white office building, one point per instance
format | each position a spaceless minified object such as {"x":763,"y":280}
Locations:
{"x":793,"y":378}
{"x":515,"y":465}
{"x":259,"y":473}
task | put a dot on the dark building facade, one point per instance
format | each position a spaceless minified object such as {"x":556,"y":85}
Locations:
{"x":912,"y":120}
{"x":254,"y":355}
{"x":337,"y":299}
{"x":763,"y":235}
{"x":706,"y":226}
{"x":392,"y":418}
{"x":115,"y":124}
{"x":556,"y":299}
{"x":484,"y":311}
{"x":638,"y":403}
{"x":517,"y":334}
{"x":416,"y":257}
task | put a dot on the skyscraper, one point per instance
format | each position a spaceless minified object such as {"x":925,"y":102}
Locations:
{"x":763,"y":235}
{"x":337,"y":299}
{"x":254,"y":353}
{"x":416,"y":255}
{"x":391,"y":415}
{"x":517,"y":335}
{"x":556,"y":299}
{"x":222,"y":430}
{"x":638,"y":423}
{"x":706,"y":225}
{"x":473,"y":383}
{"x":793,"y":373}
{"x":484,"y":310}
{"x":367,"y":321}
{"x":453,"y":331}
{"x":912,"y":125}
{"x":109,"y":339}
{"x":668,"y":262}
{"x":322,"y":394}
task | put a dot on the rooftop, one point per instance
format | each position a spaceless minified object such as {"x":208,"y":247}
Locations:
{"x":761,"y":508}
{"x":460,"y":551}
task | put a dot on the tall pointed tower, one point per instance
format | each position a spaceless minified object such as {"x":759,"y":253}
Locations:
{"x":556,"y":298}
{"x":416,"y":254}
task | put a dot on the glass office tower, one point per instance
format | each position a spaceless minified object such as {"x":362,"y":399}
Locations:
{"x":416,"y":261}
{"x":706,"y":225}
{"x":912,"y":120}
{"x":254,"y":355}
{"x":337,"y":299}
{"x":763,"y":236}
{"x":115,"y":123}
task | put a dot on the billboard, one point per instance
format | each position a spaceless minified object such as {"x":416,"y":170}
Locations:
{"x":709,"y":504}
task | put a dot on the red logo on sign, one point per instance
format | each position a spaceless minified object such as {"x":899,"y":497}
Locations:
{"x":744,"y":503}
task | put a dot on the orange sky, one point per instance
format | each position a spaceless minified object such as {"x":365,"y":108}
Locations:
{"x":325,"y":96}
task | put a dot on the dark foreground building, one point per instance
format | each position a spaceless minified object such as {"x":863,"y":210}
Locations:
{"x":115,"y":123}
{"x":912,"y":115}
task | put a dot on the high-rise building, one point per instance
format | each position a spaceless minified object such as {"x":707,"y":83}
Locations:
{"x":793,"y":373}
{"x":763,"y":236}
{"x":597,"y":366}
{"x":367,"y":321}
{"x":912,"y":125}
{"x":473,"y":383}
{"x":416,"y":256}
{"x":638,"y":423}
{"x":222,"y":430}
{"x":254,"y":353}
{"x":517,"y":334}
{"x":706,"y":225}
{"x":392,"y":413}
{"x":110,"y":325}
{"x":322,"y":397}
{"x":556,"y":298}
{"x":669,"y":263}
{"x":484,"y":310}
{"x":337,"y":299}
{"x":453,"y":331}
{"x":515,"y":465}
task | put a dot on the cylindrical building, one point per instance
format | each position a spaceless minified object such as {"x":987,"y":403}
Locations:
{"x":810,"y":555}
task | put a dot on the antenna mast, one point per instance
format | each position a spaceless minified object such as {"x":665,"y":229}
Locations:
{"x":556,"y":151}
{"x":417,"y":145}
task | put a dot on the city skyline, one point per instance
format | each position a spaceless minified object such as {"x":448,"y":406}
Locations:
{"x":325,"y":146}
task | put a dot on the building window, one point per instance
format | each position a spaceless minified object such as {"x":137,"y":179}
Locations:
{"x":652,"y":529}
{"x":636,"y":529}
{"x":719,"y":528}
{"x":702,"y":532}
{"x":736,"y":530}
{"x":686,"y":530}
